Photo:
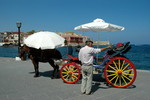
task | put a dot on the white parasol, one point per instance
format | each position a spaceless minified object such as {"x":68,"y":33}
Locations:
{"x":44,"y":40}
{"x":99,"y":25}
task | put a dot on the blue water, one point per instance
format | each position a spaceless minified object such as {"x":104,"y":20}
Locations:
{"x":139,"y":54}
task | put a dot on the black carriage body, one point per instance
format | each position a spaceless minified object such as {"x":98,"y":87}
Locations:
{"x":119,"y":51}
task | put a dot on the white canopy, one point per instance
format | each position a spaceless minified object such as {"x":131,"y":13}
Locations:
{"x":99,"y":25}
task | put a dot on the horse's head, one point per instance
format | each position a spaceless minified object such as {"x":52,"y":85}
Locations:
{"x":23,"y":51}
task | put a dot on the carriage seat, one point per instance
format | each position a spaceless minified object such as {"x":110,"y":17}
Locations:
{"x":73,"y":58}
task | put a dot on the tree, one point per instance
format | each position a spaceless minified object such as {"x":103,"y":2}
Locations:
{"x":31,"y":32}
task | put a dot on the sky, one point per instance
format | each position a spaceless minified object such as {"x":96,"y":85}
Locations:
{"x":64,"y":15}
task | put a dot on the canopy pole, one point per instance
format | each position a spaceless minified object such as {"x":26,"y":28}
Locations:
{"x":97,"y":47}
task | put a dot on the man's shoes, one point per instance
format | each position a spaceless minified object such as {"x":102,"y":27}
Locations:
{"x":89,"y":93}
{"x":86,"y":93}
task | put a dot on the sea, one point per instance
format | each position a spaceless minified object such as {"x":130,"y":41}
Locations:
{"x":139,"y":55}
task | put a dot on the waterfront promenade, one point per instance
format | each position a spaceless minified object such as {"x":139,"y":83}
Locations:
{"x":17,"y":83}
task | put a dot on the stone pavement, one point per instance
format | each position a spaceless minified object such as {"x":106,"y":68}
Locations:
{"x":17,"y":83}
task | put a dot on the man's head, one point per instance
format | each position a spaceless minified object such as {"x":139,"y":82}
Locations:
{"x":89,"y":43}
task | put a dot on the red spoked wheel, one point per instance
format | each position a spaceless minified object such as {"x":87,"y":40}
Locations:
{"x":120,"y":72}
{"x":70,"y":73}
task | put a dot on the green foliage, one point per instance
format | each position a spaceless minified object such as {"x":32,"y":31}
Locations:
{"x":31,"y":32}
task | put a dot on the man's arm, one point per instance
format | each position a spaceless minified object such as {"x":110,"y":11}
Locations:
{"x":102,"y":49}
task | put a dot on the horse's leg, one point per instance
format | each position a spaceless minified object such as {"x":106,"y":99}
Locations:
{"x":36,"y":68}
{"x":57,"y":71}
{"x":56,"y":68}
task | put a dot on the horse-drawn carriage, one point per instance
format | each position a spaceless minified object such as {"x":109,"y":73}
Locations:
{"x":118,"y":71}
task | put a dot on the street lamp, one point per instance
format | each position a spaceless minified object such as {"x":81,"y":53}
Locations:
{"x":18,"y":26}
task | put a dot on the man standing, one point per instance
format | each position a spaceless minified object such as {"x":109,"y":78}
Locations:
{"x":86,"y":58}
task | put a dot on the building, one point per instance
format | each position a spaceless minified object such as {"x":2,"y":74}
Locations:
{"x":101,"y":43}
{"x":8,"y":38}
{"x":73,"y":39}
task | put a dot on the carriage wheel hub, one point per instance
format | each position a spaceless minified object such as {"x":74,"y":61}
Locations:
{"x":70,"y":73}
{"x":119,"y":72}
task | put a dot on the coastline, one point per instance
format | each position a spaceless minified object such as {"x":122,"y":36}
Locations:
{"x":6,"y":59}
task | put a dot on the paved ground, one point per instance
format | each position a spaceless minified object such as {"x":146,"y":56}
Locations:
{"x":17,"y":83}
